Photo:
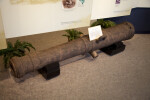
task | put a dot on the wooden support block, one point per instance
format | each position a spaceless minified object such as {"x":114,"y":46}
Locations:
{"x":50,"y":71}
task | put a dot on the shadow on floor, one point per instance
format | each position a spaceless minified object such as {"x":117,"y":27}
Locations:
{"x":25,"y":77}
{"x":4,"y":75}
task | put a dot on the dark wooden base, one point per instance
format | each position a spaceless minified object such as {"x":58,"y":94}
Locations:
{"x":50,"y":71}
{"x":114,"y":49}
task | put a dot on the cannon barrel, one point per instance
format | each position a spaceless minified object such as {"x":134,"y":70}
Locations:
{"x":34,"y":61}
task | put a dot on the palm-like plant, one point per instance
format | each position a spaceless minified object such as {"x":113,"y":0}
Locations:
{"x":18,"y":49}
{"x":73,"y":34}
{"x":104,"y":23}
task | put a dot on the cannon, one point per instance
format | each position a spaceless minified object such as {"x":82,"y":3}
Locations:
{"x":37,"y":60}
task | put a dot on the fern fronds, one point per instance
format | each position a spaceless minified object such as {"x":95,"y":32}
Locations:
{"x":72,"y":34}
{"x":18,"y":49}
{"x":103,"y":23}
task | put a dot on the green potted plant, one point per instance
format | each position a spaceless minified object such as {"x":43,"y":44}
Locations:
{"x":18,"y":49}
{"x":104,"y":23}
{"x":73,"y":34}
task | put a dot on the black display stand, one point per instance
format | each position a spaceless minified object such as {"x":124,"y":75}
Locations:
{"x":50,"y":71}
{"x":114,"y":49}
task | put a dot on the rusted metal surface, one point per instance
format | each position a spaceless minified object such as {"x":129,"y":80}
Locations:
{"x":22,"y":65}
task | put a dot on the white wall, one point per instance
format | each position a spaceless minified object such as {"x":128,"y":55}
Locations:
{"x":27,"y":19}
{"x":106,"y":9}
{"x":142,"y":3}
